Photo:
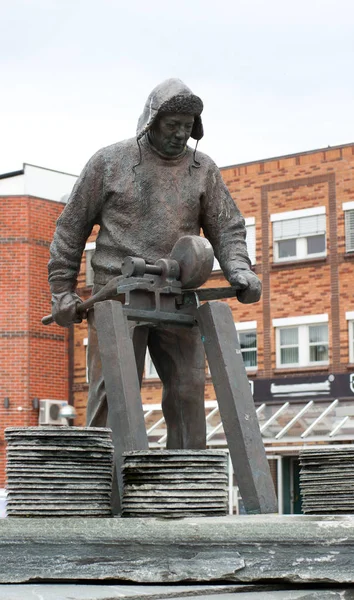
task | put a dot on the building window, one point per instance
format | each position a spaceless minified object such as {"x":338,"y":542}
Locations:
{"x":250,"y":241}
{"x":302,"y":341}
{"x":247,"y":335}
{"x":299,"y":234}
{"x":150,"y":369}
{"x":350,"y":318}
{"x":248,"y":343}
{"x":348,"y":208}
{"x":89,"y":252}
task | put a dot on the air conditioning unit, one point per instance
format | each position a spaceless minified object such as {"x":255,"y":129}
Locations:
{"x":49,"y":412}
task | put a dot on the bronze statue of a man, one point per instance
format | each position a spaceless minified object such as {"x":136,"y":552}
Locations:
{"x":145,"y":193}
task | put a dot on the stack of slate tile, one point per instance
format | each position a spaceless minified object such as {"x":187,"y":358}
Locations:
{"x":327,"y":480}
{"x":59,"y":471}
{"x":175,"y":483}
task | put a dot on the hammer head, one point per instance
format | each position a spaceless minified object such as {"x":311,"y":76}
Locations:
{"x":195,"y":257}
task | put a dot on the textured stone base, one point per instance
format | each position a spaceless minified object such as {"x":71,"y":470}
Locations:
{"x":264,"y":548}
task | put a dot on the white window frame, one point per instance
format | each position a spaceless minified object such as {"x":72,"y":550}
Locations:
{"x":250,"y":223}
{"x":302,"y":323}
{"x":89,"y":271}
{"x":246,"y":327}
{"x":348,"y":207}
{"x":251,"y":237}
{"x":150,"y":369}
{"x":301,"y":242}
{"x":350,"y":318}
{"x":85,"y":343}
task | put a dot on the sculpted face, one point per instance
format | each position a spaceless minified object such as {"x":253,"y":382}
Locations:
{"x":171,"y":132}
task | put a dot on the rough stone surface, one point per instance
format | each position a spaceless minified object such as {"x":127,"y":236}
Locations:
{"x":157,"y":494}
{"x":326,"y":480}
{"x":297,"y":549}
{"x":39,"y":475}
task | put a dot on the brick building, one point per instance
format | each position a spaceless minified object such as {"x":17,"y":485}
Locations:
{"x":33,"y":360}
{"x":298,"y":342}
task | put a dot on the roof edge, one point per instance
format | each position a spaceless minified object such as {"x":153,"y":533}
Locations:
{"x":48,"y":169}
{"x":305,"y":152}
{"x":12,"y":174}
{"x":25,"y":164}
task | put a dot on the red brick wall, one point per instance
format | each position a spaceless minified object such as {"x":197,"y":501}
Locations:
{"x":33,"y":359}
{"x":322,"y":178}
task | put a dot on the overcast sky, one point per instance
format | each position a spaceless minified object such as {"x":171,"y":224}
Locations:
{"x":276,"y":76}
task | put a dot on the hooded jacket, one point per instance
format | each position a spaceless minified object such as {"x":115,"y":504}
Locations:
{"x":144,"y":202}
{"x":159,"y":99}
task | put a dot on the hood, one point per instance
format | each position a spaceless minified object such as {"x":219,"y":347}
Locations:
{"x":171,"y":95}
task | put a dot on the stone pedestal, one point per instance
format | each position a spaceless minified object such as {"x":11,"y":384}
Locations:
{"x":245,"y":549}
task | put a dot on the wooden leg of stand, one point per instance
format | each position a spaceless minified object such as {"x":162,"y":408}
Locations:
{"x":237,"y":408}
{"x":125,"y":413}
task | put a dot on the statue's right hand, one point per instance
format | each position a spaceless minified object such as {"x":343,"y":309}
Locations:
{"x":64,"y":308}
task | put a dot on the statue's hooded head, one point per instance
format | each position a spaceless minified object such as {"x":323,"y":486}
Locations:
{"x":171,"y":96}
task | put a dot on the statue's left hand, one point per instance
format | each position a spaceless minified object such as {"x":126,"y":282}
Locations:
{"x":248,"y":285}
{"x":64,"y":308}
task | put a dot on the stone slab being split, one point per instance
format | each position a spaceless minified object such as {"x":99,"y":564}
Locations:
{"x":175,"y":483}
{"x":326,"y":480}
{"x":59,"y":471}
{"x":246,"y":549}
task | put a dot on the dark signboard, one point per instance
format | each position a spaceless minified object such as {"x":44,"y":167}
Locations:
{"x":312,"y":387}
